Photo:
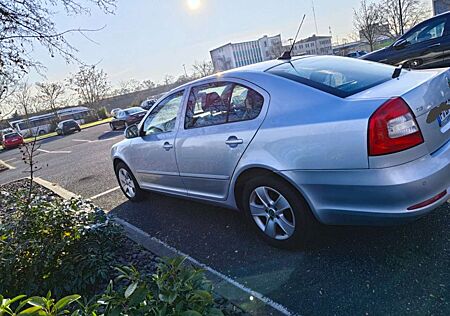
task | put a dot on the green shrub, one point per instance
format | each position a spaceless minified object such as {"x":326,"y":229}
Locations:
{"x":64,"y":246}
{"x":102,"y":113}
{"x":174,"y":290}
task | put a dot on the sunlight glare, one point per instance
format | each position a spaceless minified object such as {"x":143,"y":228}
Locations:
{"x":194,"y":4}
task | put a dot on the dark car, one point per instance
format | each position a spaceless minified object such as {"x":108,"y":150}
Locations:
{"x":67,"y":127}
{"x":147,"y":104}
{"x":127,"y":117}
{"x":427,"y":45}
{"x":12,"y":140}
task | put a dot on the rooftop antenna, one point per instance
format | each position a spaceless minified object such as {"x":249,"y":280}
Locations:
{"x":287,"y":54}
{"x":314,"y":14}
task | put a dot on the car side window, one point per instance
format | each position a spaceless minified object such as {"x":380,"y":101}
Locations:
{"x":219,"y":103}
{"x":163,"y":117}
{"x":427,"y":31}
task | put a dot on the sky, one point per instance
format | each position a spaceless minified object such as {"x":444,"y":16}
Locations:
{"x":148,"y":39}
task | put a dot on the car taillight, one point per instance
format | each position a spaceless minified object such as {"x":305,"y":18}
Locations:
{"x":393,"y":128}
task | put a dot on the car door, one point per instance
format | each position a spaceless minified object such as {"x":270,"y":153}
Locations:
{"x":424,"y":46}
{"x":153,"y":157}
{"x":220,"y":120}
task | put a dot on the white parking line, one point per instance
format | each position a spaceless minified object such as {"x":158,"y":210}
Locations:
{"x":55,"y":152}
{"x":94,"y":141}
{"x":277,"y":306}
{"x":6,"y":165}
{"x":8,"y":160}
{"x":103,"y":193}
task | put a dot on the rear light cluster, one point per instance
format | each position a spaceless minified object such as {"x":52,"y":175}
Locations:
{"x":393,"y":128}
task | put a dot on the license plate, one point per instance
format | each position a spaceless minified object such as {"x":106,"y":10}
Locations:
{"x":444,"y":117}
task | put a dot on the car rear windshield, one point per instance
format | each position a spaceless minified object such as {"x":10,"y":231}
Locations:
{"x":12,"y":135}
{"x":339,"y":76}
{"x":70,"y":123}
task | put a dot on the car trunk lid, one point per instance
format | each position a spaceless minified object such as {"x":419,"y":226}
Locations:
{"x":427,"y":93}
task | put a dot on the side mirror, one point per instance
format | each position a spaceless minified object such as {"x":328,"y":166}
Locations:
{"x":400,"y":44}
{"x":131,"y":132}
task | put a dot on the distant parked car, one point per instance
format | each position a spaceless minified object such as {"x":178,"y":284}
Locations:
{"x":147,"y":104}
{"x":127,"y":117}
{"x":426,"y":45}
{"x":115,"y":111}
{"x":5,"y":131}
{"x":290,"y":142}
{"x":356,"y":54}
{"x":67,"y":127}
{"x":12,"y":140}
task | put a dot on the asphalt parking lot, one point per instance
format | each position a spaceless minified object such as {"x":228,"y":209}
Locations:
{"x":348,"y":270}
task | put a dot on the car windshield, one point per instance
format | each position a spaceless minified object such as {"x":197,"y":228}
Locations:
{"x":336,"y":75}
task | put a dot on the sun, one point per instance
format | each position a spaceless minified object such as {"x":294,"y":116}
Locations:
{"x":194,"y":4}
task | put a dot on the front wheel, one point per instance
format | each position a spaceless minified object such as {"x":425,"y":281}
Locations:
{"x":128,"y":183}
{"x":278,"y":212}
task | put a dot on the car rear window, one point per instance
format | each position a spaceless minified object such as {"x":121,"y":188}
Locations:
{"x":339,"y":76}
{"x":12,"y":135}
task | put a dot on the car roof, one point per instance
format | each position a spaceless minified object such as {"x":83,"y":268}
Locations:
{"x":65,"y":121}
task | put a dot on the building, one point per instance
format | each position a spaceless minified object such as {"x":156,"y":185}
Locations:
{"x":441,"y":6}
{"x":313,"y":45}
{"x":234,"y":55}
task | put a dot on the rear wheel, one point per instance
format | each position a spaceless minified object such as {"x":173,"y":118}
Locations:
{"x":41,"y":132}
{"x":128,"y":183}
{"x":277,"y":211}
{"x":112,"y":126}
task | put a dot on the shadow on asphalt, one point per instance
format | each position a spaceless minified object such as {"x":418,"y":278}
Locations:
{"x":110,"y":134}
{"x":388,"y":270}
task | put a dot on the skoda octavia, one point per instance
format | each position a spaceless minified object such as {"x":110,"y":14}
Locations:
{"x":291,"y":142}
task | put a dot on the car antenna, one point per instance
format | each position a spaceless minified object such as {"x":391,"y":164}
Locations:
{"x":287,"y":54}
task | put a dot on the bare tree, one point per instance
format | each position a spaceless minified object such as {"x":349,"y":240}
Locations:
{"x":24,"y":100}
{"x":148,"y":84}
{"x":90,"y":84}
{"x":203,"y":69}
{"x":128,"y":86}
{"x":24,"y":24}
{"x":413,"y":12}
{"x":51,"y":94}
{"x":168,"y":79}
{"x":367,"y":20}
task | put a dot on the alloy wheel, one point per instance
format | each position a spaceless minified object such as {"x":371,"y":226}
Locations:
{"x":127,"y":183}
{"x":272,"y":213}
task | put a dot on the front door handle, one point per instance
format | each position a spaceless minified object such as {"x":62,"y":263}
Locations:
{"x":167,"y":146}
{"x":233,"y":141}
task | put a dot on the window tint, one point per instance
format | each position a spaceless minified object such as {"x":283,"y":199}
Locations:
{"x":427,"y":31}
{"x":163,"y":117}
{"x":336,"y":75}
{"x":219,"y":103}
{"x":11,"y":135}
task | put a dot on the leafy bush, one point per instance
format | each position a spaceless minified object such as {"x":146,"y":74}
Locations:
{"x":65,"y":246}
{"x":174,"y":290}
{"x":102,"y":113}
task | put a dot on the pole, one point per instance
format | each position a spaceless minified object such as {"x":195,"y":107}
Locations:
{"x":314,"y":14}
{"x":185,"y":72}
{"x":401,"y":16}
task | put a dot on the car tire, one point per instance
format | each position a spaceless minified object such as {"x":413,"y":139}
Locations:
{"x":128,"y":183}
{"x":41,"y":132}
{"x":112,"y":126}
{"x":281,"y":217}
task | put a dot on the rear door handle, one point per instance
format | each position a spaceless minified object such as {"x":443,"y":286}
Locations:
{"x":233,"y":141}
{"x":167,"y":146}
{"x":434,"y":45}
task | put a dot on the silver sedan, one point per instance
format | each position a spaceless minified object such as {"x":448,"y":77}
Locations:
{"x":290,"y":143}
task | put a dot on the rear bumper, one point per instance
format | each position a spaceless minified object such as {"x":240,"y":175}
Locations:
{"x":375,"y":196}
{"x":12,"y":145}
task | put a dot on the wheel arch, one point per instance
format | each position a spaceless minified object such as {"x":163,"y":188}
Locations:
{"x":256,"y":171}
